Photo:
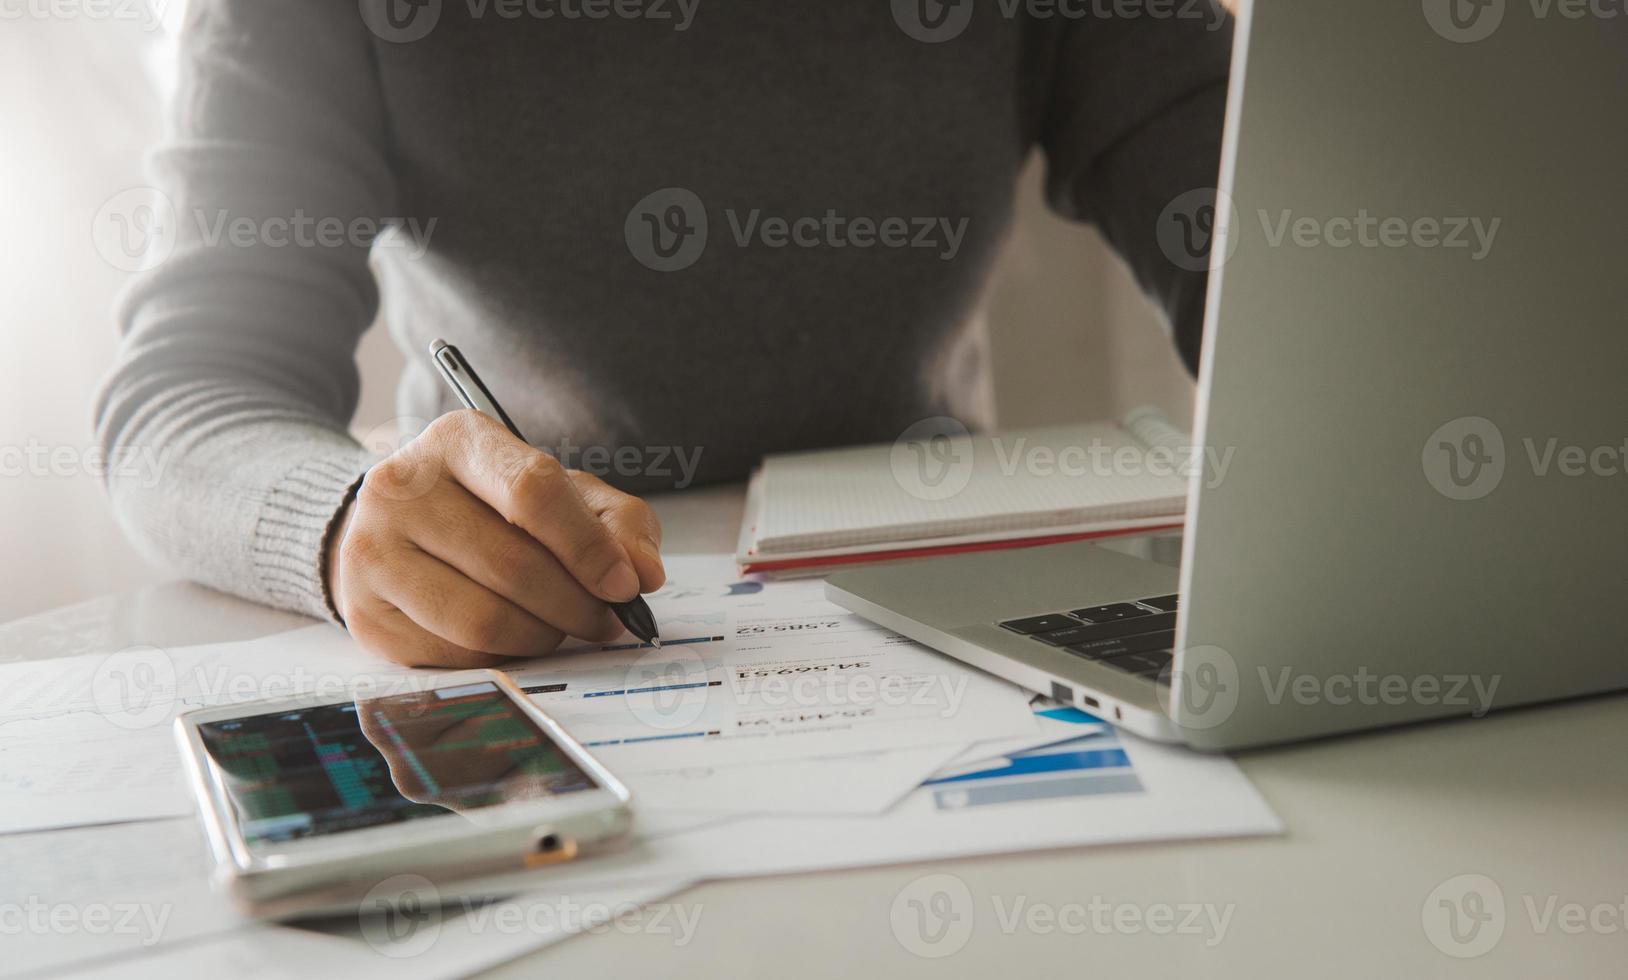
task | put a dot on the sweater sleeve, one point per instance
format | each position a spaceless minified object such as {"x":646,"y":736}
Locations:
{"x":236,"y":368}
{"x":1133,"y":128}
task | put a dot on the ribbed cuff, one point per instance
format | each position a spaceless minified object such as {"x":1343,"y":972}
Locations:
{"x":291,"y":533}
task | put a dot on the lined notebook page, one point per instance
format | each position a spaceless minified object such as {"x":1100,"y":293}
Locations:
{"x":1026,"y":481}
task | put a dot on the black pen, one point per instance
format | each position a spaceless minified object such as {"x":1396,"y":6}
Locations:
{"x":635,"y":614}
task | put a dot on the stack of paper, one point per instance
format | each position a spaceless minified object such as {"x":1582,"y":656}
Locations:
{"x":773,"y":732}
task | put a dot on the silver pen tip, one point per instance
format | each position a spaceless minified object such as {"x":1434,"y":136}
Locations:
{"x":655,"y":641}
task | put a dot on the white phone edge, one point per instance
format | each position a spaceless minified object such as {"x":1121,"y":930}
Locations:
{"x":447,"y":858}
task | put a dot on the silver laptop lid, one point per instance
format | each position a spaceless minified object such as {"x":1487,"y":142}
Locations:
{"x":1415,"y":357}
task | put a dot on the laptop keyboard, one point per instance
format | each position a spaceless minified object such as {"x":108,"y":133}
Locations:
{"x":1136,"y":637}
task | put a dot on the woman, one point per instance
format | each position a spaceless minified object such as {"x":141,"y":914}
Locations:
{"x":663,"y":232}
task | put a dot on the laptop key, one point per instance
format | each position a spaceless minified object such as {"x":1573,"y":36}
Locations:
{"x":1040,"y":624}
{"x":1087,"y":632}
{"x":1142,"y":664}
{"x":1081,"y":633}
{"x":1118,"y":646}
{"x":1163,"y":603}
{"x":1110,"y":613}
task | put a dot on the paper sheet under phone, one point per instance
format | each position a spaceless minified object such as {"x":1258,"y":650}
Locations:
{"x":753,"y":673}
{"x":135,"y":901}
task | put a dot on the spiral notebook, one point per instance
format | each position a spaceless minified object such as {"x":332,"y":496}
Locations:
{"x":808,"y":511}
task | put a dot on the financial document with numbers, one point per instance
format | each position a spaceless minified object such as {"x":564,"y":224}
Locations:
{"x":753,"y":672}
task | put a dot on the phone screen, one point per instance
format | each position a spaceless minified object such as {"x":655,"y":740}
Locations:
{"x":313,"y":772}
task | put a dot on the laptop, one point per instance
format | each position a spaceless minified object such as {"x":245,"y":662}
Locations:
{"x":1416,"y":355}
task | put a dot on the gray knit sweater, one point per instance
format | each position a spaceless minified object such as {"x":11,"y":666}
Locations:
{"x":673,"y":236}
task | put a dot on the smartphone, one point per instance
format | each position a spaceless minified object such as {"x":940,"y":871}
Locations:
{"x":311,"y":804}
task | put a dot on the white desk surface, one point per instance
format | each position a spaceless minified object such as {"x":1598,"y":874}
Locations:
{"x":1535,"y":800}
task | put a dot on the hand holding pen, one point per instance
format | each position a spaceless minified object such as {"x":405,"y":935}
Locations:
{"x":467,"y":546}
{"x":460,"y":376}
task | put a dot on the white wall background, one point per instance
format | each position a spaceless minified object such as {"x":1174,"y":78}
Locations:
{"x":1073,"y":338}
